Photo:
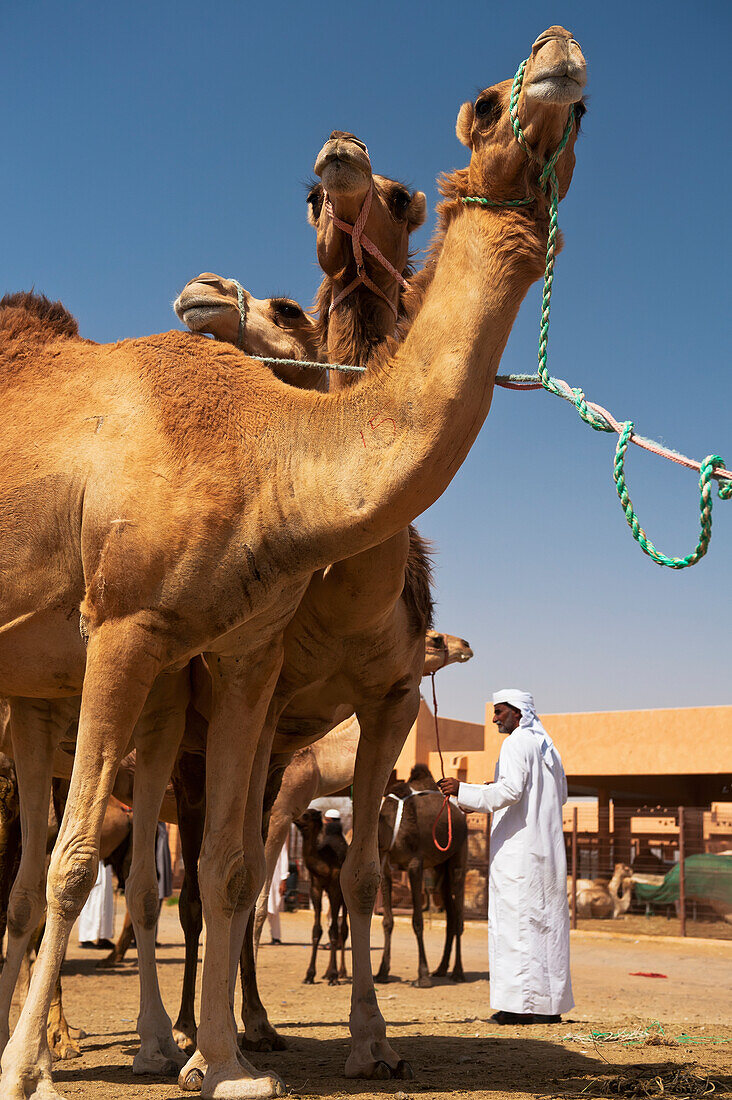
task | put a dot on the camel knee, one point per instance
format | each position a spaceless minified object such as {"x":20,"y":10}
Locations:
{"x":143,"y":905}
{"x":359,"y":887}
{"x":70,"y":879}
{"x":24,"y":909}
{"x":237,"y":888}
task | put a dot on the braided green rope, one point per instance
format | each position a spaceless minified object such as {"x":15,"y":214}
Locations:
{"x":550,"y":186}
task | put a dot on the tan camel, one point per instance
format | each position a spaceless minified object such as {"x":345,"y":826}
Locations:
{"x":213,"y":548}
{"x":360,"y":628}
{"x":603,"y":899}
{"x":406,"y":840}
{"x":328,"y":765}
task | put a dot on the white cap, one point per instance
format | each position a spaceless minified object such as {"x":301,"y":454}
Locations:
{"x":332,"y":815}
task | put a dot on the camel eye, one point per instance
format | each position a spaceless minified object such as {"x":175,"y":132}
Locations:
{"x":487,"y":109}
{"x":400,"y":201}
{"x":288,"y":310}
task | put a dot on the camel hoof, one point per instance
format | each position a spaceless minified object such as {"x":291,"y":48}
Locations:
{"x":403,"y":1071}
{"x":61,"y":1052}
{"x":265,"y":1044}
{"x":223,"y":1087}
{"x":382,"y":1072}
{"x":191,"y":1081}
{"x":333,"y":981}
{"x":441,"y":972}
{"x":155,"y":1066}
{"x":459,"y":977}
{"x":309,"y":979}
{"x":424,"y":982}
{"x":185,"y":1040}
{"x":381,"y":978}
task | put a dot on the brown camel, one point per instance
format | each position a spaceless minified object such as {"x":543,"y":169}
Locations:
{"x":406,"y":825}
{"x":359,"y":630}
{"x":324,"y":851}
{"x":328,"y":765}
{"x":213,"y":548}
{"x":602,"y":898}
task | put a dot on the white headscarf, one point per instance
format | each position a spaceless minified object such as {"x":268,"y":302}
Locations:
{"x":524,"y":702}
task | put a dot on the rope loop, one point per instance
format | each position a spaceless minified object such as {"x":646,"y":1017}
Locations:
{"x":446,"y":800}
{"x":705,"y":506}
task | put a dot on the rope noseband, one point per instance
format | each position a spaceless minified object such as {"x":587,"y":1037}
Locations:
{"x":359,"y":242}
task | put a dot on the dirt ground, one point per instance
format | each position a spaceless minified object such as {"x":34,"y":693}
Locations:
{"x":444,"y":1032}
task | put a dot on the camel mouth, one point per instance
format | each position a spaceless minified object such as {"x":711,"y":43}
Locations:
{"x":196,"y":314}
{"x":554,"y":88}
{"x":342,"y":159}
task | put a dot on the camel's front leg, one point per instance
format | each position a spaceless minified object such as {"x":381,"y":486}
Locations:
{"x":415,"y":871}
{"x":36,"y":726}
{"x":120,"y":670}
{"x":230,"y":873}
{"x":384,"y":728}
{"x":157,"y":738}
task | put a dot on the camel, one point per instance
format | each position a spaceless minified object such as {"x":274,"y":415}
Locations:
{"x":327,"y":766}
{"x":406,"y":841}
{"x":600,"y":898}
{"x":212,"y":550}
{"x":324,"y":852}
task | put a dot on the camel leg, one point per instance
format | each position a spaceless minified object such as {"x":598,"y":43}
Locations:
{"x":258,"y":1031}
{"x":157,"y":738}
{"x":415,"y":870}
{"x":384,"y":728}
{"x":60,"y":1039}
{"x":36,"y":726}
{"x":334,"y":897}
{"x":230,"y":871}
{"x":119,"y":673}
{"x":387,"y":919}
{"x":448,"y":900}
{"x":343,"y":973}
{"x":189,"y":782}
{"x":122,"y":946}
{"x":316,"y":897}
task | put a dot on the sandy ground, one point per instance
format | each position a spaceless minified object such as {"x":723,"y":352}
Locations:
{"x":444,"y":1032}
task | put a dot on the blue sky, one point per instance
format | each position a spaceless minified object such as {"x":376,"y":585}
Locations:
{"x":148,"y":142}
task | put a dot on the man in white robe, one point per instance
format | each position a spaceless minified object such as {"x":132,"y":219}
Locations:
{"x":528,"y":915}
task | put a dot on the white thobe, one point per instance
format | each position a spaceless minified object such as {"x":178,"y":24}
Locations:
{"x":274,"y":899}
{"x":96,"y":919}
{"x":528,"y":915}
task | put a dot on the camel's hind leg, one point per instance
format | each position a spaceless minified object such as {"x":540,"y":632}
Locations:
{"x":258,"y":1031}
{"x":189,"y":783}
{"x":316,"y":897}
{"x":334,"y":931}
{"x":342,"y":972}
{"x":124,"y":941}
{"x":384,"y":728}
{"x":157,"y":737}
{"x":387,"y":920}
{"x":231,"y":869}
{"x":36,"y":726}
{"x":415,"y":871}
{"x":119,"y":673}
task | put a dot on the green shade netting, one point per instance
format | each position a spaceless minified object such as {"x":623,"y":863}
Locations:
{"x":706,"y":877}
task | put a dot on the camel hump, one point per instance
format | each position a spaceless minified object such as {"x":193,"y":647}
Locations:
{"x":417,"y":591}
{"x":24,"y":310}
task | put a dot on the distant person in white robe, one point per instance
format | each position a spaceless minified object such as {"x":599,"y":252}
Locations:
{"x":96,"y":919}
{"x":276,"y":892}
{"x":528,"y":914}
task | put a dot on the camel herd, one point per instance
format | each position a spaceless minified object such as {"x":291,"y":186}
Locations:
{"x":212,"y":560}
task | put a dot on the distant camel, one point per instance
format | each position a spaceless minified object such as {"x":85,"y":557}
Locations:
{"x":406,"y":841}
{"x":327,"y":766}
{"x":601,"y":899}
{"x":324,"y":851}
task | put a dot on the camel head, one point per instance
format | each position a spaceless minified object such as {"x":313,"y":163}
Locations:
{"x":309,"y":823}
{"x":268,"y":326}
{"x":347,"y":187}
{"x":441,"y":650}
{"x":500,"y":168}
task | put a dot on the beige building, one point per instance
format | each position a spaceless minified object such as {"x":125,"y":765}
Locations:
{"x":662,"y":757}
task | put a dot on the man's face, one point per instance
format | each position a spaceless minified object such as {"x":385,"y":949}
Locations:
{"x":506,"y":717}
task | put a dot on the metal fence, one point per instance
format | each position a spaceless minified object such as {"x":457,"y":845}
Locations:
{"x":661,"y":870}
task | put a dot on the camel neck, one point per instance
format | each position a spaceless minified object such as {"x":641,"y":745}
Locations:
{"x":392,"y":444}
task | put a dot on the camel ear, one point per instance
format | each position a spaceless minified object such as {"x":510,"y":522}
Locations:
{"x":417,"y":210}
{"x":464,"y":124}
{"x":315,"y":204}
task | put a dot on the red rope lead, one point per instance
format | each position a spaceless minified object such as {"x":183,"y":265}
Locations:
{"x":446,"y":799}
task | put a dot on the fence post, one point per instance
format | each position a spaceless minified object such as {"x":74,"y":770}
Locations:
{"x":682,"y":872}
{"x":574,"y":867}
